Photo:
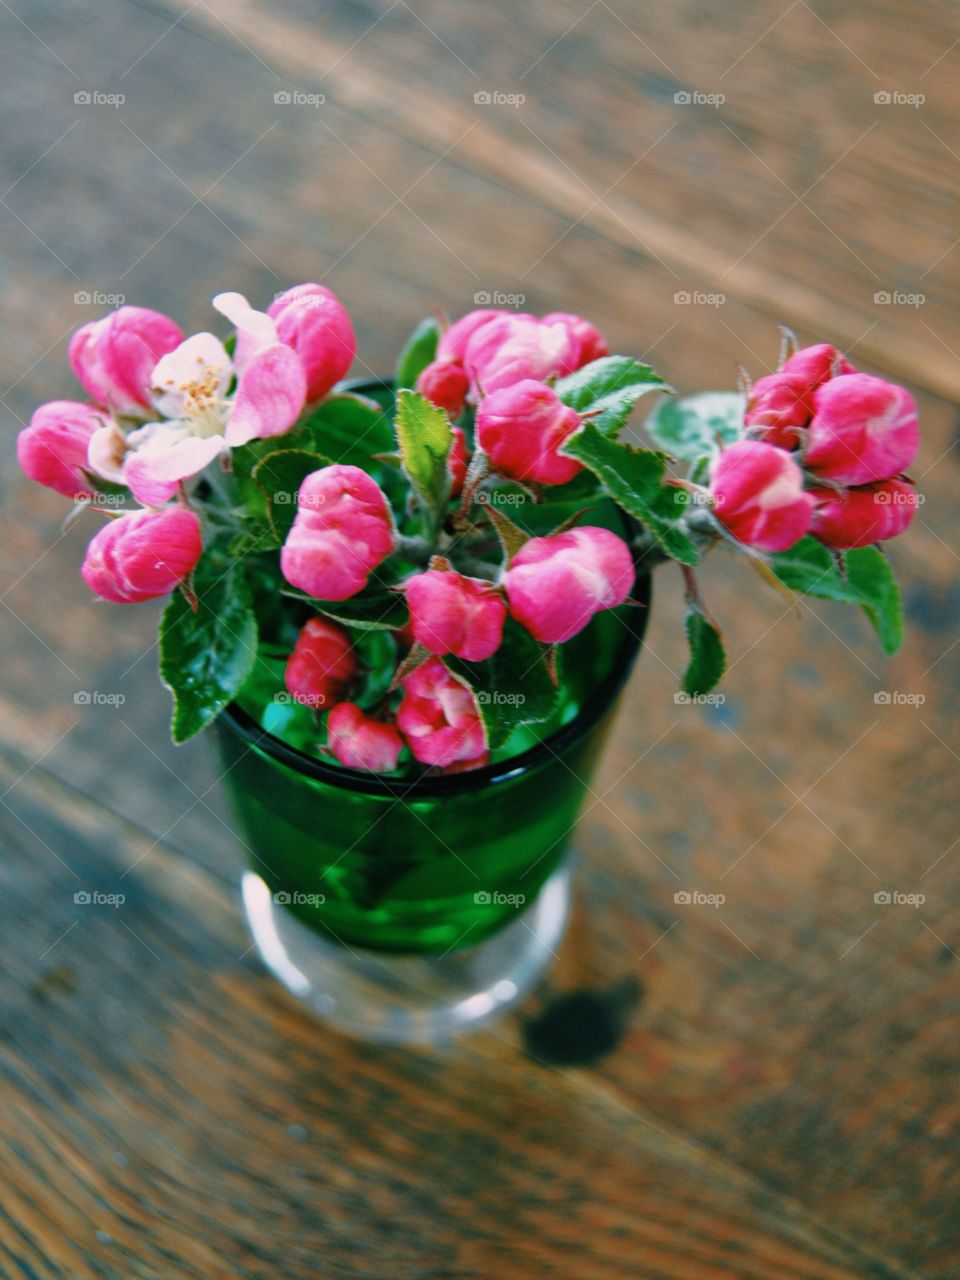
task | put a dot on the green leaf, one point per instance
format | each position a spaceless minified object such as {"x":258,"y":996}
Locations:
{"x":707,"y":659}
{"x":609,"y":388}
{"x":206,"y":656}
{"x":871,"y":577}
{"x":862,"y":576}
{"x":634,"y":479}
{"x":375,"y":608}
{"x":424,"y":436}
{"x":421,"y":350}
{"x":278,"y":476}
{"x":344,"y":428}
{"x":511,"y":688}
{"x":691,"y":427}
{"x":511,"y":536}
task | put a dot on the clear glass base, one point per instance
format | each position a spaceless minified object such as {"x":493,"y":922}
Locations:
{"x":408,"y":999}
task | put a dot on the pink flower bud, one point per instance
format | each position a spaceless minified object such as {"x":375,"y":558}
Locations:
{"x":556,"y":584}
{"x":865,"y":515}
{"x":589,"y":342}
{"x":816,"y":365}
{"x":521,"y":428}
{"x":342,"y":531}
{"x":359,"y":741}
{"x":444,"y":384}
{"x":115,"y":357}
{"x":452,"y":345}
{"x":864,"y":428}
{"x":510,"y":348}
{"x":439,"y":717}
{"x":453,"y":614}
{"x":782,"y":404}
{"x":758,"y":494}
{"x":457,"y":462}
{"x":53,"y":449}
{"x":322,"y":665}
{"x":143,"y":554}
{"x":312,"y":320}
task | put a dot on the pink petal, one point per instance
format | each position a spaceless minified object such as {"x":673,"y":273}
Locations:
{"x":154,"y":473}
{"x":271,"y":393}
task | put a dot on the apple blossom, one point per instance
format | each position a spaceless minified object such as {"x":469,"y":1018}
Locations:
{"x":322,"y":666}
{"x":439,"y":717}
{"x":457,"y":461}
{"x":359,"y":741}
{"x":142,"y":554}
{"x":758,"y":495}
{"x":863,"y":429}
{"x":510,"y":348}
{"x":311,"y":319}
{"x":450,"y":613}
{"x":816,"y":365}
{"x":200,"y":419}
{"x":452,"y":344}
{"x":343,"y":529}
{"x":556,"y":584}
{"x":590,"y":343}
{"x":782,"y":405}
{"x":445,"y":384}
{"x":113,"y":358}
{"x":53,"y":449}
{"x":521,"y":428}
{"x":861,"y":516}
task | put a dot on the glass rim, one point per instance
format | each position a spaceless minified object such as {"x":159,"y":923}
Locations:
{"x":601,"y":699}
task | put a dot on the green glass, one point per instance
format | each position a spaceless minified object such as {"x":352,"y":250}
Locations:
{"x":434,"y":863}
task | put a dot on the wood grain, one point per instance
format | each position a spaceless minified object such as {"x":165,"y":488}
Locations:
{"x":763,"y":1089}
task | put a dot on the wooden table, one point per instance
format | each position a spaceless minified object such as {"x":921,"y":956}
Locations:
{"x":766,"y":1089}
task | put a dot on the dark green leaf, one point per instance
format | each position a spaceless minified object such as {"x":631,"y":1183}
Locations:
{"x":609,"y":388}
{"x":206,"y":656}
{"x":424,"y":436}
{"x":511,"y":536}
{"x":634,"y":479}
{"x":691,"y":427}
{"x":707,"y":659}
{"x":278,"y":476}
{"x":344,"y":428}
{"x":862,"y":576}
{"x":373,"y":609}
{"x":420,"y":350}
{"x":513,"y":687}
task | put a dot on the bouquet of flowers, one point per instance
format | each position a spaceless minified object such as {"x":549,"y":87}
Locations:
{"x":395,"y":579}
